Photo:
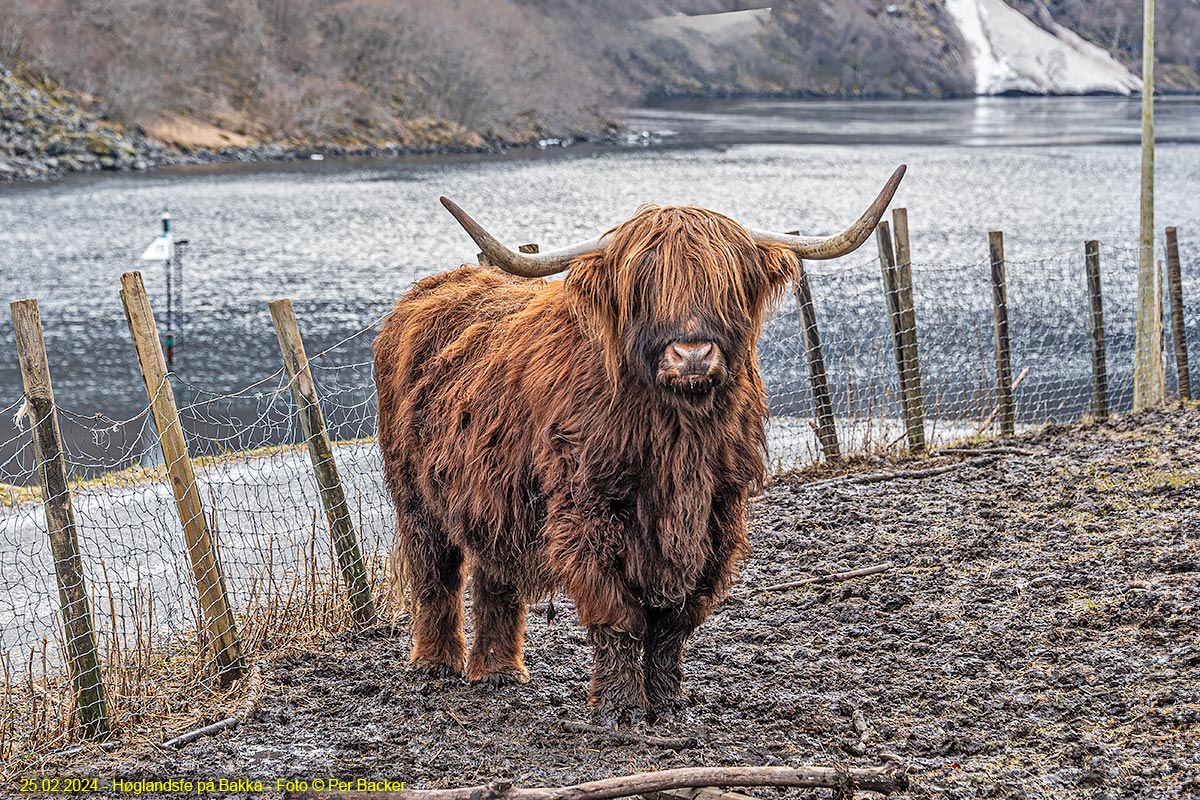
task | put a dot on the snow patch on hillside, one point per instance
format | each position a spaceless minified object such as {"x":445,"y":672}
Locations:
{"x":1012,"y":54}
{"x":711,"y":38}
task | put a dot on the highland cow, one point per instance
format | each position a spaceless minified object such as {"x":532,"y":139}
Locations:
{"x":599,"y":434}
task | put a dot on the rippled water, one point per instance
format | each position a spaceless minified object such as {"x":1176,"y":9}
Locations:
{"x":343,"y":239}
{"x":978,"y":122}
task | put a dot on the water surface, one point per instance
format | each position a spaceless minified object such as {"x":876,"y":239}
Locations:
{"x":344,"y":239}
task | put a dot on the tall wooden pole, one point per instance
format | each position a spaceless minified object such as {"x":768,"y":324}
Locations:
{"x":887,"y":266}
{"x":914,"y":400}
{"x":1096,"y":320}
{"x":897,"y":291}
{"x":822,"y":402}
{"x":1148,"y":387}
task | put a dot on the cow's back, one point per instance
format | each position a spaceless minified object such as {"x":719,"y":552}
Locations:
{"x":451,"y":431}
{"x":413,"y":352}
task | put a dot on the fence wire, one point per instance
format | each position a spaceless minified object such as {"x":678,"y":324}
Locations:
{"x":262,"y":506}
{"x":1050,"y":340}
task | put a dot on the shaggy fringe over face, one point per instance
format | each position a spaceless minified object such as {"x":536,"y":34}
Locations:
{"x":672,"y":269}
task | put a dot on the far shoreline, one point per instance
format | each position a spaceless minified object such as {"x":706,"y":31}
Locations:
{"x":618,"y":134}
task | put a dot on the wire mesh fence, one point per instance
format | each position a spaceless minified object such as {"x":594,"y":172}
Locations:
{"x":262,"y":506}
{"x":953,"y":304}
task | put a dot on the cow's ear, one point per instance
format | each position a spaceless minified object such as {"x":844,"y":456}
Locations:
{"x":780,"y":265}
{"x":592,"y":293}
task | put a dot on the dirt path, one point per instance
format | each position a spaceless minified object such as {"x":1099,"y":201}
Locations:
{"x":1037,"y":637}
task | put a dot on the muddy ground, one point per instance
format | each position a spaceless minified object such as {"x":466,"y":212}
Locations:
{"x":1036,"y":637}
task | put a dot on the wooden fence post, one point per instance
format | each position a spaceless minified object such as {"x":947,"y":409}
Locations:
{"x":887,"y":266}
{"x":82,"y":657}
{"x":891,"y":294}
{"x":914,"y":405}
{"x":1096,"y":318}
{"x":333,"y":498}
{"x":822,"y":403}
{"x":1178,"y":328}
{"x":202,"y":550}
{"x":1004,"y":388}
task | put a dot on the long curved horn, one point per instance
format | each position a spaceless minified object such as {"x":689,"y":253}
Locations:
{"x":817,"y":248}
{"x":527,"y":265}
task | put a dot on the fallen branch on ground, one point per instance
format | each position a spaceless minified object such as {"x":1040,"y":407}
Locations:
{"x":891,"y":475}
{"x":207,"y":730}
{"x":885,"y":779}
{"x":984,"y":451}
{"x":254,"y":689}
{"x":254,"y":692}
{"x":630,"y":737}
{"x":834,"y":577}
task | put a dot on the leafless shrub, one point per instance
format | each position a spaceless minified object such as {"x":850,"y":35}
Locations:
{"x":131,"y":94}
{"x":15,"y":21}
{"x":310,"y":108}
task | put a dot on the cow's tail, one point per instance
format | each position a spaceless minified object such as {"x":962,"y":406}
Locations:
{"x":397,"y":583}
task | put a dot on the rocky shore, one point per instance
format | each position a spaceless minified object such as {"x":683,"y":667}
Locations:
{"x":45,"y":133}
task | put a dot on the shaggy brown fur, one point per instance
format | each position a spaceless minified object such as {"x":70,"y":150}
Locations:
{"x":546,"y":434}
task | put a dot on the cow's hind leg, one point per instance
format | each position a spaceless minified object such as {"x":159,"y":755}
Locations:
{"x":435,"y":567}
{"x":497,"y":649}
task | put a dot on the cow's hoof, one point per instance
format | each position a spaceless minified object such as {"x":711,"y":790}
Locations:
{"x":438,"y":669}
{"x":667,"y":714}
{"x":671,"y":708}
{"x":616,"y":717}
{"x":499,"y":677}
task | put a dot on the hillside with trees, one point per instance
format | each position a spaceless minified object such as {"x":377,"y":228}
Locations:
{"x":1116,"y":25}
{"x":197,"y":76}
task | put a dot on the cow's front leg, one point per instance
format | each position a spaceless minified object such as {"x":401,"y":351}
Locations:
{"x":617,"y":693}
{"x":667,"y":631}
{"x":588,"y":553}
